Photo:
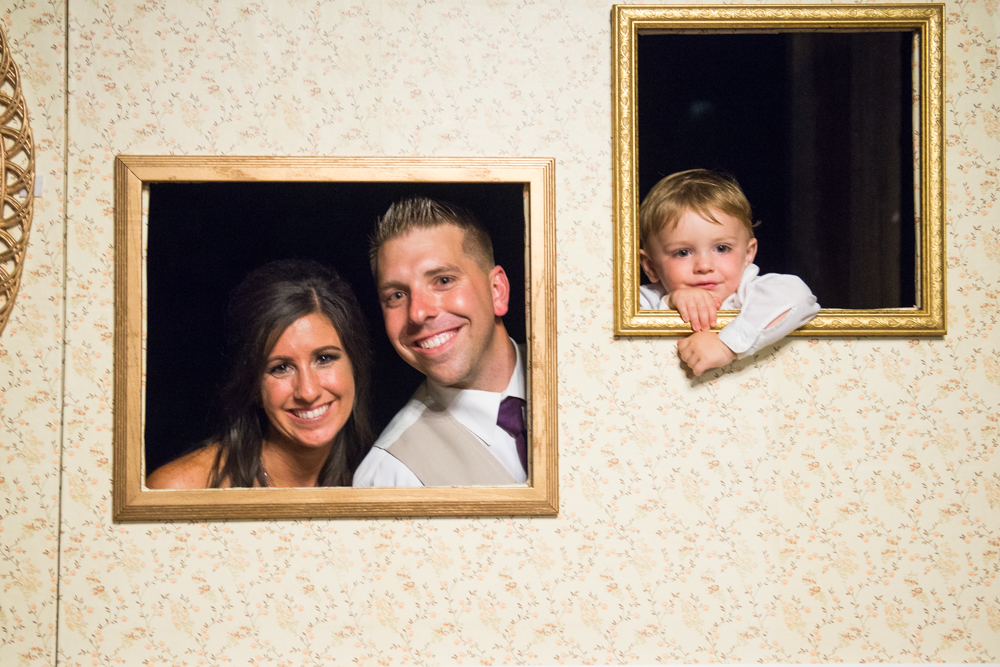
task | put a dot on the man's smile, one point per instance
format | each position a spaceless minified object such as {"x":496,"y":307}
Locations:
{"x":435,"y":341}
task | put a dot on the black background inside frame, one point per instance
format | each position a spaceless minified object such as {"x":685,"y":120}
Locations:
{"x":723,"y":102}
{"x":204,"y":238}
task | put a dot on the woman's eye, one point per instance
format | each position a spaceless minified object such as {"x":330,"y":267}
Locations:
{"x":278,"y":370}
{"x":327,"y":358}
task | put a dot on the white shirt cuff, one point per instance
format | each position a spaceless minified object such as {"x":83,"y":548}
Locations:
{"x":739,"y":336}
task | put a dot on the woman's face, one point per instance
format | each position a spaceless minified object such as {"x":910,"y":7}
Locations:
{"x":308,"y":387}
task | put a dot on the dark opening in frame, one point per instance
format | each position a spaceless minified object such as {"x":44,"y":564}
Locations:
{"x":818,"y":130}
{"x":204,"y":238}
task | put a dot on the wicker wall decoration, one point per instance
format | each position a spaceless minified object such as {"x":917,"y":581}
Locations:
{"x":17,"y":179}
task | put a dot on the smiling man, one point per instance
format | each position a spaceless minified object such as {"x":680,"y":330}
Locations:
{"x":443,"y":299}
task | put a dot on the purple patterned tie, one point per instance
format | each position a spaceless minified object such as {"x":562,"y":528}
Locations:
{"x":511,"y":419}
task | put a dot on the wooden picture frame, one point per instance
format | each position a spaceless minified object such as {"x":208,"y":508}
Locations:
{"x":925,"y":22}
{"x":134,"y":502}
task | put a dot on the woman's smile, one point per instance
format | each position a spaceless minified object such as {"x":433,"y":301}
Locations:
{"x":313,"y":413}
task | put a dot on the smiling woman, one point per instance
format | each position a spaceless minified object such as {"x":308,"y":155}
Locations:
{"x":308,"y":388}
{"x":295,"y":401}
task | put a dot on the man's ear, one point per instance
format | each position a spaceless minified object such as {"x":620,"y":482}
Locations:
{"x":500,"y":287}
{"x":751,"y":252}
{"x":647,"y":265}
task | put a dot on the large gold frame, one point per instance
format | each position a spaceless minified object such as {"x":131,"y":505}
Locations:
{"x":927,"y":20}
{"x":134,"y":502}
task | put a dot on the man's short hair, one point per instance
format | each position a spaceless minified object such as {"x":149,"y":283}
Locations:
{"x":698,"y":190}
{"x":422,"y":213}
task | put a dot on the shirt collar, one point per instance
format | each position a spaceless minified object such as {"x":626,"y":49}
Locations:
{"x":736,"y":300}
{"x":477,"y":410}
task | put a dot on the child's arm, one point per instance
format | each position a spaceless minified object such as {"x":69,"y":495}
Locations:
{"x":696,"y":306}
{"x":703,"y":351}
{"x":772,"y":306}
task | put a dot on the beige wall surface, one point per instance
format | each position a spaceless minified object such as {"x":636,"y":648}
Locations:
{"x":831,"y":500}
{"x":31,"y":363}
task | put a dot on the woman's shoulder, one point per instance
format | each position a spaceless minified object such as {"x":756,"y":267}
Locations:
{"x":191,"y":471}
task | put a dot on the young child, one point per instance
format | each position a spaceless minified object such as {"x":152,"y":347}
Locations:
{"x":697,"y":247}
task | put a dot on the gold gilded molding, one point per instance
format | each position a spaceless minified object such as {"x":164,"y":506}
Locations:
{"x":928,"y":319}
{"x":134,"y":502}
{"x":17,"y":175}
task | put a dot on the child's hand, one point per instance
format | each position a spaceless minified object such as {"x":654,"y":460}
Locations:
{"x":703,"y":351}
{"x":696,"y":306}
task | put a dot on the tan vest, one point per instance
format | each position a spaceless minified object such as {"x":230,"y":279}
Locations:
{"x":442,"y":452}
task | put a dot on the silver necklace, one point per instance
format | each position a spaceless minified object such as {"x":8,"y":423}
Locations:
{"x":263,"y":473}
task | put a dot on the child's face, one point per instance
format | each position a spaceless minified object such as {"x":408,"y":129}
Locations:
{"x":697,"y":252}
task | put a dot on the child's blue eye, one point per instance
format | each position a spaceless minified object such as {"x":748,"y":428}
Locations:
{"x":682,"y":253}
{"x":722,"y":248}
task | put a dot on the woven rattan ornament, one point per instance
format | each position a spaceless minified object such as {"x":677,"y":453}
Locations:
{"x":17,"y":180}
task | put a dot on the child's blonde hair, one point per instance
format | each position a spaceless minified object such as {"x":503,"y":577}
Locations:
{"x":698,"y":190}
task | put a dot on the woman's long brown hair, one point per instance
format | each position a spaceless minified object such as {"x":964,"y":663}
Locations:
{"x":268,"y":300}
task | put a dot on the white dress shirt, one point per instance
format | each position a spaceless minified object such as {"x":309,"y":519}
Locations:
{"x":760,"y":299}
{"x":474,"y":409}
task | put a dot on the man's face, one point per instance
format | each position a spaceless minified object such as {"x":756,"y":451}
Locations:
{"x":697,"y":252}
{"x":442,"y":309}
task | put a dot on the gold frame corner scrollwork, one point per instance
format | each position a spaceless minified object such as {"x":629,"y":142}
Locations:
{"x":928,"y":319}
{"x":17,"y":175}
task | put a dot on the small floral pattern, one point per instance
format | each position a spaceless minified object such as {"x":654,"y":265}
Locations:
{"x":833,"y":500}
{"x":31,"y":372}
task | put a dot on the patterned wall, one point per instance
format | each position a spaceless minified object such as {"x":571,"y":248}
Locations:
{"x":831,"y":500}
{"x":31,"y":370}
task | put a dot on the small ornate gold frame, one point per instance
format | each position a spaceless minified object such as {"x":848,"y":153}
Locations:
{"x":17,"y":180}
{"x":134,"y":502}
{"x":628,"y":21}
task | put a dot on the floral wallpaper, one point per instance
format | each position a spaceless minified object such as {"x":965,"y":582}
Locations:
{"x":824,"y":501}
{"x":31,"y":348}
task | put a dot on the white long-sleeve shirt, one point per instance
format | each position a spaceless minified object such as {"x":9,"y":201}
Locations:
{"x":760,"y":299}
